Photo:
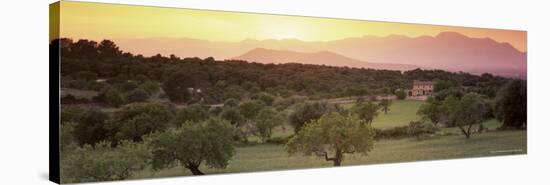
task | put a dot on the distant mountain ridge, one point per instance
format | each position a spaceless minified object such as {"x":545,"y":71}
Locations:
{"x":448,"y":51}
{"x":262,"y":55}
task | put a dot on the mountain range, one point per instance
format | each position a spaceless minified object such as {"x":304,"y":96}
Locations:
{"x":263,"y":55}
{"x":449,"y":51}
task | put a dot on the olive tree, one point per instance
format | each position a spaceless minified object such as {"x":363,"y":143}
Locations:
{"x":510,"y":105}
{"x":135,"y":120}
{"x":249,"y":110}
{"x":177,"y":87}
{"x":193,"y":112}
{"x":385,"y":105}
{"x":333,"y":135}
{"x":103,"y":162}
{"x":267,"y":119}
{"x":467,"y":112}
{"x":206,"y":142}
{"x":429,"y":110}
{"x":90,"y":127}
{"x":366,"y":111}
{"x":234,"y":116}
{"x":306,"y":112}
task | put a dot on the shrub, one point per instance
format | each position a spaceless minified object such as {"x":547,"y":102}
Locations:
{"x":103,"y":162}
{"x":401,"y":94}
{"x":133,"y":121}
{"x":392,"y":133}
{"x":231,"y":102}
{"x":420,"y":129}
{"x":194,"y":112}
{"x":137,"y":95}
{"x":278,"y":140}
{"x":90,"y":127}
{"x":150,"y":87}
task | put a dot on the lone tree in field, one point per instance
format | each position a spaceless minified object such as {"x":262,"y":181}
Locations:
{"x":511,"y":104}
{"x":430,"y":110}
{"x":366,"y":111}
{"x":267,"y":119}
{"x":249,"y":110}
{"x":208,"y":142}
{"x":385,"y":105}
{"x":333,"y":135}
{"x":467,"y":112}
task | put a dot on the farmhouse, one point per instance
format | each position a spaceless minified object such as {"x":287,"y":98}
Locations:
{"x":421,"y":88}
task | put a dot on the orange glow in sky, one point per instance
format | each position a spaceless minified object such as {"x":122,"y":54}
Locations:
{"x":109,"y":21}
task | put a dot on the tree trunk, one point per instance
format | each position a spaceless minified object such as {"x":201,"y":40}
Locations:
{"x":195,"y":170}
{"x":338,"y":158}
{"x":194,"y":167}
{"x":466,"y":133}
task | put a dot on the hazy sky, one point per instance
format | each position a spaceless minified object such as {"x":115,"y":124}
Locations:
{"x":107,"y":21}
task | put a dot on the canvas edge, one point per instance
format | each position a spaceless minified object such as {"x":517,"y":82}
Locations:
{"x":54,"y":101}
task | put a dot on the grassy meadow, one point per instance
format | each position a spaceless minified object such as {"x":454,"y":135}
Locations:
{"x":400,"y":114}
{"x":449,"y":143}
{"x":266,"y":157}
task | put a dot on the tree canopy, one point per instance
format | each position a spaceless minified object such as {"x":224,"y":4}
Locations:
{"x":266,"y":120}
{"x":104,"y":163}
{"x":466,"y":113}
{"x":207,"y":142}
{"x":510,"y":104}
{"x":366,"y":111}
{"x":332,"y":136}
{"x":136,"y":120}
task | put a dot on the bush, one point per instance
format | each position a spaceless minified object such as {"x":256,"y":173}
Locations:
{"x":135,"y":120}
{"x":420,"y":129}
{"x":401,"y":94}
{"x":90,"y":127}
{"x":127,"y":86}
{"x":278,"y":140}
{"x":231,"y":102}
{"x":194,"y":113}
{"x":150,"y":87}
{"x":103,"y":162}
{"x":137,"y":95}
{"x":392,"y":133}
{"x":266,"y":98}
{"x":110,"y":96}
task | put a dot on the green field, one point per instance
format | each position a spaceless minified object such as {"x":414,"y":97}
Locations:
{"x":400,"y":114}
{"x":448,"y":144}
{"x":265,"y":157}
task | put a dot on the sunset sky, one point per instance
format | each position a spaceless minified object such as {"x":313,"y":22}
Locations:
{"x":107,"y":21}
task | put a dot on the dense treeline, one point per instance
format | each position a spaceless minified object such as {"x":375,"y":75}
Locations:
{"x":85,"y":62}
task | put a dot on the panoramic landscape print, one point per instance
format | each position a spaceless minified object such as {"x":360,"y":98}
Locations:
{"x":150,"y":92}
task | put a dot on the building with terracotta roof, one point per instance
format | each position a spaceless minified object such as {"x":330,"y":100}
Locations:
{"x":421,"y":88}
